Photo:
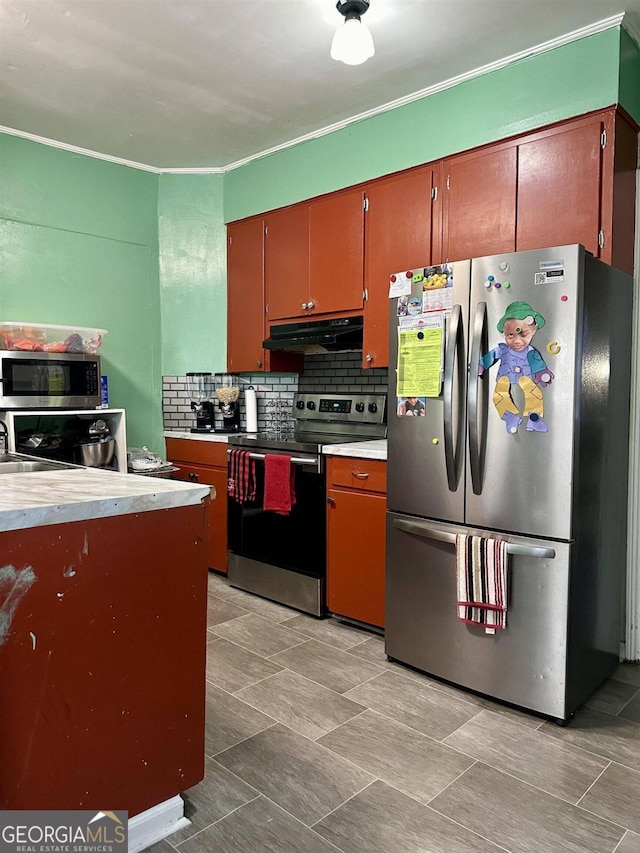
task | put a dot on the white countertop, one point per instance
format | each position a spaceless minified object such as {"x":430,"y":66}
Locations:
{"x":376,"y":449}
{"x":56,"y":497}
{"x":199,"y":436}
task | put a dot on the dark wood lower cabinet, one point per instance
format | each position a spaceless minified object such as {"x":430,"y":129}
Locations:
{"x":356,"y":518}
{"x":205,"y":462}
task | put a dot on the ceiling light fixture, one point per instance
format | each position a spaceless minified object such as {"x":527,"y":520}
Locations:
{"x":352,"y":43}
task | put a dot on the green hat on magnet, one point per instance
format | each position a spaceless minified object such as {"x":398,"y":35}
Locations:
{"x":521,"y":311}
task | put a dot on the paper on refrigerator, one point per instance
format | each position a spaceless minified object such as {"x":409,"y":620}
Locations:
{"x":420,"y":356}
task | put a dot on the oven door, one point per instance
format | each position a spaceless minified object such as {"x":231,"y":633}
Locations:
{"x":282,"y":557}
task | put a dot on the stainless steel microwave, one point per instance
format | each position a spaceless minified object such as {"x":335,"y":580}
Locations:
{"x":43,"y":380}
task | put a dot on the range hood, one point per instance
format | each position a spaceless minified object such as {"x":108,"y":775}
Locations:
{"x":341,"y":335}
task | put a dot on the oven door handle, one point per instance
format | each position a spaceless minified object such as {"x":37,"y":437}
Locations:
{"x":295,"y":460}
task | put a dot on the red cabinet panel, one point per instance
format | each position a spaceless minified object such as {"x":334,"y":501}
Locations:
{"x":287,"y":262}
{"x":188,"y":456}
{"x":356,"y":544}
{"x":559,"y":186}
{"x":245,"y":296}
{"x":336,"y":229}
{"x":102,"y":668}
{"x":479,"y":203}
{"x":398,"y":225}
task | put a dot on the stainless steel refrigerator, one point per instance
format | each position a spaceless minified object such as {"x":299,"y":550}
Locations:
{"x":523,"y":437}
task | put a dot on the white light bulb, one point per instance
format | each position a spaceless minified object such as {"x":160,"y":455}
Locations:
{"x":352,"y":43}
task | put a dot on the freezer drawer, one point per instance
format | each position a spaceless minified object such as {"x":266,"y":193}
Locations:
{"x":526,"y":664}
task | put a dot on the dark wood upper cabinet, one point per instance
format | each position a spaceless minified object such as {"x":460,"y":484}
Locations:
{"x":479,"y":203}
{"x":574,"y":182}
{"x":398,"y":225}
{"x":245,"y":296}
{"x":336,"y":231}
{"x":246,"y":324}
{"x":559,"y":187}
{"x":287,"y":262}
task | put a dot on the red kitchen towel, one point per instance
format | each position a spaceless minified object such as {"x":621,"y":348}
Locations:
{"x":481,"y":568}
{"x":241,"y":485}
{"x":279,"y":483}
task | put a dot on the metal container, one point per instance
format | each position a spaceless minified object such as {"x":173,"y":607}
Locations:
{"x":96,"y":454}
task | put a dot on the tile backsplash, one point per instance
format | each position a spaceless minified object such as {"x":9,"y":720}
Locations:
{"x":322,"y":373}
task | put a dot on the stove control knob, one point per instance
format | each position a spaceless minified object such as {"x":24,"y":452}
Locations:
{"x":359,"y":407}
{"x":300,"y":404}
{"x":311,"y":404}
{"x":373,"y":407}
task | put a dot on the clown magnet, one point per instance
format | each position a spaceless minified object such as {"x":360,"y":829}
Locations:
{"x":519,"y":364}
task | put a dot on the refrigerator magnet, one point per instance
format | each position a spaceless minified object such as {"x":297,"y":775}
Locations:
{"x":414,"y":306}
{"x":411,"y":406}
{"x":519,"y":363}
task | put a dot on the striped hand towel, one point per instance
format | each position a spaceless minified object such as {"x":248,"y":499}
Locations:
{"x":241,"y":485}
{"x":481,"y":567}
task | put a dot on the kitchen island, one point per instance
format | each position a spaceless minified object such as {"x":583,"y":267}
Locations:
{"x":103,"y":590}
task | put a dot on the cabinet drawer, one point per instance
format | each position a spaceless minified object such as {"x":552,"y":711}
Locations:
{"x":367,"y":475}
{"x":198,"y":452}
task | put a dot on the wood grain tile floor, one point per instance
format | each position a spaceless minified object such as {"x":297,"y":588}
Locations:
{"x":315,"y":743}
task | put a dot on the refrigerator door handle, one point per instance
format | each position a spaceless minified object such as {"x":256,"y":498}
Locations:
{"x":476,"y":454}
{"x":454,"y":355}
{"x":444,"y":536}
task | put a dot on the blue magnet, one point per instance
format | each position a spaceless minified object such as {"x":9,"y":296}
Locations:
{"x":490,"y":278}
{"x":420,"y":335}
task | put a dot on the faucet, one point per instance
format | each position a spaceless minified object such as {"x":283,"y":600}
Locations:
{"x":6,"y":436}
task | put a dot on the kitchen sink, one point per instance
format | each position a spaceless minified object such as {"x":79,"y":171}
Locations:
{"x":15,"y":463}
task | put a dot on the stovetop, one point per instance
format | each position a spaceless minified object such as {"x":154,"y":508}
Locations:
{"x":305,"y":443}
{"x":321,"y":419}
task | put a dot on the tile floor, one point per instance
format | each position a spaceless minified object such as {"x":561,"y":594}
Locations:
{"x":316,"y":743}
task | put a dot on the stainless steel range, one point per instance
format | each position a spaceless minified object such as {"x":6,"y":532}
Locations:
{"x":283,"y":557}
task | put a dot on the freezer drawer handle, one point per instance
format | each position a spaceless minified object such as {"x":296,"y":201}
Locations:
{"x":444,"y":536}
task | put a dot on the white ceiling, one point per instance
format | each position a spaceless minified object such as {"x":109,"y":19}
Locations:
{"x":203,"y":84}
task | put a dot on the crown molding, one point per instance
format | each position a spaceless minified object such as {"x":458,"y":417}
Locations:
{"x":592,"y":29}
{"x":74,"y":149}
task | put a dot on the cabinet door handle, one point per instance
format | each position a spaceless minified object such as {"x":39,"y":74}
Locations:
{"x":331,"y":501}
{"x":368,"y":358}
{"x":311,"y":304}
{"x":193,"y":477}
{"x":258,"y":363}
{"x":360,"y":475}
{"x":305,"y":305}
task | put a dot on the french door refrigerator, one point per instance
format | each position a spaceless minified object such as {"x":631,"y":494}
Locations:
{"x":524,"y":437}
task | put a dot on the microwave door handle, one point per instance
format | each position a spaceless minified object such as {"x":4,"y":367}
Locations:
{"x":454,"y":355}
{"x":427,"y":532}
{"x":476,"y":456}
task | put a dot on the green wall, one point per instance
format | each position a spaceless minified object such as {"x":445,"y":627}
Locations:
{"x":193,"y":274}
{"x":630,"y":75}
{"x":567,"y":81}
{"x":78,"y":246}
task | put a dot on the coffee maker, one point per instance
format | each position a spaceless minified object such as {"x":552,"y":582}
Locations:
{"x":228,"y":393}
{"x":200,"y":391}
